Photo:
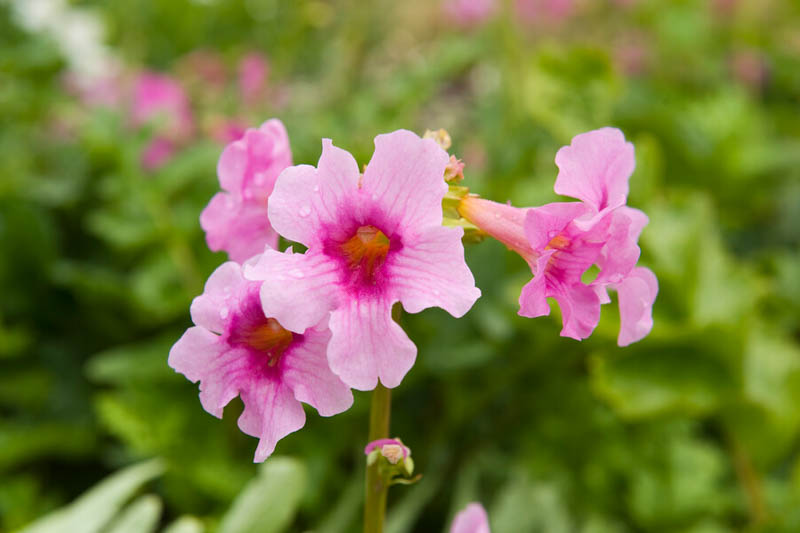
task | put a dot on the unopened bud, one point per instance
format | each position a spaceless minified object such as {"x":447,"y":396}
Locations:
{"x":393,"y":453}
{"x":441,"y":137}
{"x":454,"y":171}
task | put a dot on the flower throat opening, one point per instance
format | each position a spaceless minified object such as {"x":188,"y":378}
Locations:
{"x":366,"y":250}
{"x":270,"y":338}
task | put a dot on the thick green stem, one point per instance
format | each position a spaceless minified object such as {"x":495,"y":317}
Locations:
{"x":376,"y":488}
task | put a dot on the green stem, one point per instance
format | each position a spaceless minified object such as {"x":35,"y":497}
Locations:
{"x":376,"y":488}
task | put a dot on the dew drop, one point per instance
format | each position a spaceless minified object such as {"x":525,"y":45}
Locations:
{"x":260,"y":178}
{"x":296,"y":273}
{"x":305,"y":211}
{"x":223,"y":313}
{"x":247,"y":193}
{"x":316,"y":188}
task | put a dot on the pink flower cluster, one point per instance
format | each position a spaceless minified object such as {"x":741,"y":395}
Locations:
{"x":562,"y":240}
{"x":279,"y":328}
{"x":372,"y":240}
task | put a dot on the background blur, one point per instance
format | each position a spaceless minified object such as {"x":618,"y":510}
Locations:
{"x":694,"y":429}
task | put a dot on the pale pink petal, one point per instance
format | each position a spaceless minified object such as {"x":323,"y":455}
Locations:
{"x":533,"y":298}
{"x":595,"y":168}
{"x":270,"y":412}
{"x":544,"y":223}
{"x":306,"y":371}
{"x":200,"y":356}
{"x":367,"y":345}
{"x":307,"y":200}
{"x":472,"y":519}
{"x":636,"y":295}
{"x":209,"y":309}
{"x":298,"y":290}
{"x":405,"y":177}
{"x":621,"y":251}
{"x":241,"y":229}
{"x":430,"y":271}
{"x":249,"y":166}
{"x":580,"y":309}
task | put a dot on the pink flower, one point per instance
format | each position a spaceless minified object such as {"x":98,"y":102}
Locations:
{"x":544,"y":11}
{"x":160,"y":99}
{"x":467,"y":13}
{"x":234,"y":350}
{"x":253,"y":71}
{"x":236,"y":220}
{"x":373,"y":240}
{"x":560,"y":241}
{"x":472,"y":519}
{"x":158,"y":151}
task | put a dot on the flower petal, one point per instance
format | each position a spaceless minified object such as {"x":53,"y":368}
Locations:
{"x":249,"y":166}
{"x":636,"y":294}
{"x":306,"y":371}
{"x":405,"y":177}
{"x":580,"y":308}
{"x":307,"y":199}
{"x":533,"y":298}
{"x":544,"y":223}
{"x":270,"y":412}
{"x":472,"y":519}
{"x":431,"y":272}
{"x":221,"y":285}
{"x":367,"y":344}
{"x":595,"y":168}
{"x":241,"y":229}
{"x":200,"y":356}
{"x":298,"y":290}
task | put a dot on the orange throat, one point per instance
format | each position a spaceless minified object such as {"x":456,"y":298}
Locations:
{"x":270,"y":338}
{"x":366,"y":250}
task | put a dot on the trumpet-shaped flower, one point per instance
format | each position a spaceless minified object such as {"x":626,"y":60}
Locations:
{"x":373,"y":240}
{"x":235,"y":350}
{"x":562,"y":240}
{"x":236,"y":219}
{"x":472,"y":519}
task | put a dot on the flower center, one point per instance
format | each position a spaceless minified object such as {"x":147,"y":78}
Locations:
{"x":366,"y":250}
{"x":270,"y":338}
{"x":559,"y":242}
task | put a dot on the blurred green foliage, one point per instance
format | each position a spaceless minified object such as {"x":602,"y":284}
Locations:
{"x":695,"y":429}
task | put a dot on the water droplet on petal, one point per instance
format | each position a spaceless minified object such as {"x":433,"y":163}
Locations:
{"x":296,"y":273}
{"x":374,"y":197}
{"x":247,"y":193}
{"x":223,"y":313}
{"x":316,"y":188}
{"x":305,"y":211}
{"x":260,"y":178}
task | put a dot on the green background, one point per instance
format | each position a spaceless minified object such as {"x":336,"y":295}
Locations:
{"x":694,"y":429}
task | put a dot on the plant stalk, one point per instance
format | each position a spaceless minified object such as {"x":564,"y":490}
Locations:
{"x":376,"y":488}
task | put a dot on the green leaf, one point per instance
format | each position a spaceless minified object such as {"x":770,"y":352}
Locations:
{"x":139,"y":517}
{"x":185,"y":524}
{"x":95,"y":508}
{"x":269,"y":502}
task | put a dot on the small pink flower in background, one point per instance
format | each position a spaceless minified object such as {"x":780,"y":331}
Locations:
{"x":159,"y":99}
{"x":750,"y":68}
{"x":157,"y":153}
{"x":467,"y":13}
{"x":472,"y":519}
{"x":236,"y":219}
{"x":253,"y":72}
{"x":544,"y":11}
{"x":373,"y":240}
{"x":562,"y":240}
{"x":234,"y":350}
